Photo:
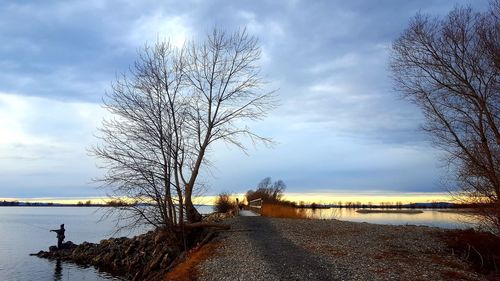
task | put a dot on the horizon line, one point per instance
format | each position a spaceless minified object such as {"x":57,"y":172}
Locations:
{"x":307,"y":197}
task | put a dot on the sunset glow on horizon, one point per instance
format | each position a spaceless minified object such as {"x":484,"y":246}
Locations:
{"x":307,"y":198}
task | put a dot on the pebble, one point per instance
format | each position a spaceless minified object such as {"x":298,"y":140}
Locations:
{"x":259,"y":248}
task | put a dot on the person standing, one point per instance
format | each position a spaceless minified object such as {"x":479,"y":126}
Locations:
{"x":60,"y":236}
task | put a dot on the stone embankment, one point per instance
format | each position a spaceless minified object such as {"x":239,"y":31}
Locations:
{"x":145,"y":257}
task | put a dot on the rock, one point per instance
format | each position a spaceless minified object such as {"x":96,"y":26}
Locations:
{"x":68,"y":245}
{"x":129,"y":249}
{"x":154,"y":263}
{"x":37,"y":254}
{"x":107,"y":259}
{"x":165,"y":262}
{"x":132,"y":265}
{"x":53,"y":249}
{"x":96,"y":260}
{"x":161,"y":236}
{"x":138,"y":276}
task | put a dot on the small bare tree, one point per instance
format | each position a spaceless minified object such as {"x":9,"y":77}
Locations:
{"x":450,"y":68}
{"x":167,"y":112}
{"x":267,"y":190}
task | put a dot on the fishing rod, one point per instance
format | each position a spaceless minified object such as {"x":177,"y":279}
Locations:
{"x":33,"y":225}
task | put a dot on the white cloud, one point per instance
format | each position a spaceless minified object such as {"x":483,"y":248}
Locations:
{"x":269,"y":31}
{"x":342,"y":93}
{"x":345,"y":61}
{"x":158,"y":26}
{"x":39,"y":134}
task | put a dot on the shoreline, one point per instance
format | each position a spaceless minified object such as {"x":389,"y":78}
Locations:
{"x":148,"y":256}
{"x":332,"y":241}
{"x":409,"y":212}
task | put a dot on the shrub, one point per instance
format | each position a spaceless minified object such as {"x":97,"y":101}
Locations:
{"x":268,"y":191}
{"x":224,"y":203}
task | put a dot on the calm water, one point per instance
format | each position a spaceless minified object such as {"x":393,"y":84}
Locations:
{"x":25,"y":230}
{"x":434,"y":218}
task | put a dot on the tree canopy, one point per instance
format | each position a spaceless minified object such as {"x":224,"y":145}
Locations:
{"x":167,"y":111}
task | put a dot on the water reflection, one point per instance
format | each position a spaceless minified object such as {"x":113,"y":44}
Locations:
{"x":24,"y":230}
{"x":58,"y":271}
{"x":435,"y":218}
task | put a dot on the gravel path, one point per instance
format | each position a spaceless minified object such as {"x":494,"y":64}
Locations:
{"x":259,"y":248}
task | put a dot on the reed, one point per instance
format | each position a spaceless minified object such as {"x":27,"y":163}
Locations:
{"x":283,"y":211}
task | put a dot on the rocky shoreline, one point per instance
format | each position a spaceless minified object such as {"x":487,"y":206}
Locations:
{"x":144,"y":257}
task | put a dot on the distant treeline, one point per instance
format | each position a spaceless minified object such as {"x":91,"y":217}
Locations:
{"x":273,"y":193}
{"x":17,"y":203}
{"x":88,"y":203}
{"x":389,"y":205}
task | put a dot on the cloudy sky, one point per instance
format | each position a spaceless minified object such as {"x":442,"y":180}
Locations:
{"x":340,"y":126}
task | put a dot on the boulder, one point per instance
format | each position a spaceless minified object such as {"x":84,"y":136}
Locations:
{"x":68,"y":245}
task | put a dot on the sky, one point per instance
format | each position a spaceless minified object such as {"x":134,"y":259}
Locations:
{"x":340,"y":127}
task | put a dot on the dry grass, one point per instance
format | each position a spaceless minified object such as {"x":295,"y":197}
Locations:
{"x":439,"y":259}
{"x":282,"y":211}
{"x":186,"y":270}
{"x":481,"y":249}
{"x":454,"y":275}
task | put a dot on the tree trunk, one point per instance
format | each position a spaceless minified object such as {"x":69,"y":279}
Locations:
{"x":192,"y":214}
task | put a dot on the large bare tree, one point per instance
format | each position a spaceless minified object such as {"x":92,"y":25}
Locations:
{"x":450,"y":68}
{"x":227,"y":89}
{"x":167,"y":112}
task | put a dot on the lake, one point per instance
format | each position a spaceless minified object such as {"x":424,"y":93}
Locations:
{"x":25,"y":230}
{"x":428,"y":217}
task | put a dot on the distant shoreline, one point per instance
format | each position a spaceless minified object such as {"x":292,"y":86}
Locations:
{"x":401,"y":211}
{"x":38,"y":204}
{"x":55,"y":205}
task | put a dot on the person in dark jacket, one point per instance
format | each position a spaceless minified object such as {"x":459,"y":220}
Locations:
{"x":60,"y":236}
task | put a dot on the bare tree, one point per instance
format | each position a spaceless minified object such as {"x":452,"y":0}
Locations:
{"x":141,"y":144}
{"x":167,"y":112}
{"x":450,"y":68}
{"x":225,"y":80}
{"x":267,"y":190}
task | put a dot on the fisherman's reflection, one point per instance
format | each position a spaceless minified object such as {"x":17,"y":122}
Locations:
{"x":58,"y":271}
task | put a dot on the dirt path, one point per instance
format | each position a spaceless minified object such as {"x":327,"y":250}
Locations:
{"x":255,"y":250}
